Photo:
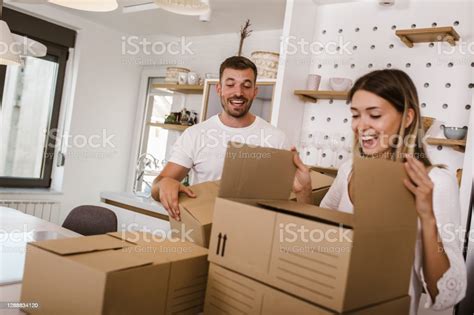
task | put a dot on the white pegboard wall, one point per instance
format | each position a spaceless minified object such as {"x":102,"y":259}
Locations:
{"x":441,"y":73}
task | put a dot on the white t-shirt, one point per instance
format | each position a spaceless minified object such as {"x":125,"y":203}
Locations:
{"x":202,"y":147}
{"x":446,"y":207}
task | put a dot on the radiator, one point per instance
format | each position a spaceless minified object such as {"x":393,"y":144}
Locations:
{"x":44,"y":209}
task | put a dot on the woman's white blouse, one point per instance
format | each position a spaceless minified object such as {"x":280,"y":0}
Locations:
{"x":452,"y":285}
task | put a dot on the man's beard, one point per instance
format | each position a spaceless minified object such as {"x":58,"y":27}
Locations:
{"x":236,"y":114}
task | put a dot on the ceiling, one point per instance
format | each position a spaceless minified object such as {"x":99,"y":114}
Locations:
{"x":227,"y":17}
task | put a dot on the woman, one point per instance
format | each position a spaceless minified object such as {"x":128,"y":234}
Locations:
{"x":386,"y":122}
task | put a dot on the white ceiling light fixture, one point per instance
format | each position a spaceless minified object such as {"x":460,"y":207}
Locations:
{"x":83,"y":5}
{"x":185,"y":7}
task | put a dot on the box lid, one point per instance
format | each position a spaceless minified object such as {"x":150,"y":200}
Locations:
{"x":319,"y":180}
{"x":85,"y":244}
{"x":309,"y":211}
{"x":111,"y":260}
{"x":201,"y":207}
{"x":381,"y":198}
{"x":252,"y":172}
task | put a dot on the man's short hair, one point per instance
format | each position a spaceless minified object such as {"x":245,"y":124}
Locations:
{"x":238,"y":63}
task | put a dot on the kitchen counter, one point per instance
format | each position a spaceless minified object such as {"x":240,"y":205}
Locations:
{"x":132,"y":202}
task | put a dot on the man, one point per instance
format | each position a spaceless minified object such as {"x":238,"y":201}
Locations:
{"x":201,"y":148}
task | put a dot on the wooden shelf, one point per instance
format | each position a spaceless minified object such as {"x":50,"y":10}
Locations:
{"x":313,"y":96}
{"x":428,"y":35}
{"x":182,"y":88}
{"x":458,"y":145}
{"x":174,"y":127}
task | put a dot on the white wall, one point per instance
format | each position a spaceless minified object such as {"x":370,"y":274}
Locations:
{"x":102,"y":98}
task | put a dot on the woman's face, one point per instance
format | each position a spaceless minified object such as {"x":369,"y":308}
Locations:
{"x":375,"y":122}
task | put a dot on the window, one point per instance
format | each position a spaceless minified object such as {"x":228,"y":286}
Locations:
{"x":30,"y":97}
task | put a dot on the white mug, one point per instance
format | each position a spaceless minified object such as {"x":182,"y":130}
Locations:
{"x":313,"y":82}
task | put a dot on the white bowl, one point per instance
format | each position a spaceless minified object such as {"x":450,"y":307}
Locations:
{"x":340,"y":84}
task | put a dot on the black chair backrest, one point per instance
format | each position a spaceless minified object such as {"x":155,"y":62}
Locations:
{"x":91,"y":220}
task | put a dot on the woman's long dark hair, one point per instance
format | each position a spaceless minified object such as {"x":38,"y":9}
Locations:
{"x":396,"y":87}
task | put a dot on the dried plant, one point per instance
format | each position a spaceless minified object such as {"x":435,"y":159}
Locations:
{"x":244,"y":33}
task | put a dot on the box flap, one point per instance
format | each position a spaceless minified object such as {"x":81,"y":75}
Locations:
{"x":201,"y":207}
{"x":309,"y":211}
{"x":161,"y":250}
{"x":253,"y":172}
{"x":77,"y":245}
{"x":319,"y":180}
{"x":111,"y":260}
{"x":381,"y":198}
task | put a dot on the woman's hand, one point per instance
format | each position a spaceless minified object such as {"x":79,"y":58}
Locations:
{"x":421,"y":186}
{"x":302,"y":183}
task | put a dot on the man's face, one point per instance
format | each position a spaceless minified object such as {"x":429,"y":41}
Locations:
{"x":237,"y":91}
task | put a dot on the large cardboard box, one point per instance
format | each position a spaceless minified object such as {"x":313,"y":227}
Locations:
{"x":129,"y":273}
{"x":196,"y":214}
{"x":231,"y":293}
{"x":338,"y":260}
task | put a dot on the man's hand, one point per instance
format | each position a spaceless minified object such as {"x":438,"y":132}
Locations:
{"x":169,"y":190}
{"x":302,"y":183}
{"x":167,"y":186}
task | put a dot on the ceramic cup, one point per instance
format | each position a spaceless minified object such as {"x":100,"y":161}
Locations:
{"x":313,"y":82}
{"x":193,"y":78}
{"x":182,"y":78}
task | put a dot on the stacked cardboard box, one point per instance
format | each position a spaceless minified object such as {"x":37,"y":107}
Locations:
{"x":118,"y":273}
{"x":339,"y":261}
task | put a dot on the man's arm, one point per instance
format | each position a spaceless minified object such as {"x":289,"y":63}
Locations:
{"x":167,"y":186}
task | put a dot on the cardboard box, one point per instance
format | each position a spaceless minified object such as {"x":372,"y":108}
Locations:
{"x":230,"y":293}
{"x":196,"y":213}
{"x":320,"y":184}
{"x":338,"y":260}
{"x":118,"y":273}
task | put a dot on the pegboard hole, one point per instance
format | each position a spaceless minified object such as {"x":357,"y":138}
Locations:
{"x":391,"y":46}
{"x":467,"y":107}
{"x":445,"y":106}
{"x":323,"y":155}
{"x":340,"y":31}
{"x":335,"y":66}
{"x":308,"y":153}
{"x":434,"y":24}
{"x":357,"y":29}
{"x":472,"y":64}
{"x":413,"y":26}
{"x":326,"y":137}
{"x":345,"y":120}
{"x":324,"y":32}
{"x":310,"y":135}
{"x":448,"y":85}
{"x":431,"y":45}
{"x":471,"y":85}
{"x":408,"y":65}
{"x":456,"y":23}
{"x":313,"y":118}
{"x":428,"y":65}
{"x":426,"y":85}
{"x":372,"y":47}
{"x":370,"y":65}
{"x":423,"y":105}
{"x":331,"y":101}
{"x":389,"y":65}
{"x":320,"y":66}
{"x":328,"y":119}
{"x":353,"y":66}
{"x":354,"y":47}
{"x":440,"y":147}
{"x":450,"y":65}
{"x":375,"y":28}
{"x":394,"y":27}
{"x":343,"y":138}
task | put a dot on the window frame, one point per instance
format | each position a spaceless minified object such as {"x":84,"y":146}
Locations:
{"x":58,"y":40}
